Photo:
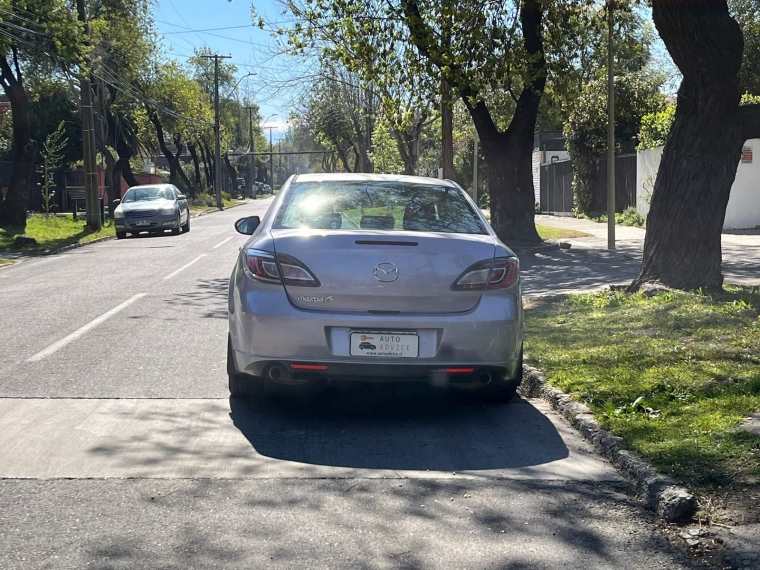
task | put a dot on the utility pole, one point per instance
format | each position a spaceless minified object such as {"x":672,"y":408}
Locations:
{"x":475,"y":170}
{"x":91,"y":190}
{"x":610,"y":128}
{"x":271,"y":157}
{"x":252,"y":163}
{"x":217,"y":140}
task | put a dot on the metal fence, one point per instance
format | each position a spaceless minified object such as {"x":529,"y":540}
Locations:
{"x":557,"y":187}
{"x":625,"y":184}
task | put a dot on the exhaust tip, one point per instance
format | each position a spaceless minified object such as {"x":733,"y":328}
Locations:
{"x":276,"y":372}
{"x":484,"y":378}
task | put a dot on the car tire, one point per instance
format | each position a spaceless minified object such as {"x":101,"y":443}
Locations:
{"x":240,"y":385}
{"x":186,"y":227}
{"x":176,"y":231}
{"x":121,"y":235}
{"x":504,"y":390}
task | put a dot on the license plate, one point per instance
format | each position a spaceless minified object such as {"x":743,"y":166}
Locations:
{"x":142,"y":223}
{"x":385,"y":344}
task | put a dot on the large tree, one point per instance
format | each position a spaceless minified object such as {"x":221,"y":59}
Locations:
{"x":34,"y":35}
{"x":683,"y":242}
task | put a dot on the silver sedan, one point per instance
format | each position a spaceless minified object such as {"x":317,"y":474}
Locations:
{"x":374,"y":277}
{"x":151,"y":208}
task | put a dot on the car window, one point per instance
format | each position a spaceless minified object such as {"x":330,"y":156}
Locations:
{"x":169,"y":194}
{"x":143,"y":194}
{"x":378,"y":205}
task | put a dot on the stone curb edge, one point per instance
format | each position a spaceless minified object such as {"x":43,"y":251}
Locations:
{"x":658,"y":491}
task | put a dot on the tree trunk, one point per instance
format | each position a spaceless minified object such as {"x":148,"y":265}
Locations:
{"x":13,"y":207}
{"x":682,"y":248}
{"x":209,"y":162}
{"x":509,"y":155}
{"x":185,"y":181}
{"x":232,"y":174}
{"x":196,"y":165}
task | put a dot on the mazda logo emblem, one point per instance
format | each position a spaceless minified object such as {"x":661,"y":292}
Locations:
{"x":386,"y":272}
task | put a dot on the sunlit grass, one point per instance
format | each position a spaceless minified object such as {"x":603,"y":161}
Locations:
{"x":549,"y":232}
{"x":51,"y":233}
{"x":673,"y":374}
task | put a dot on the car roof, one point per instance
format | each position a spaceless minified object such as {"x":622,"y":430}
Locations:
{"x":158,"y":185}
{"x":361,"y":177}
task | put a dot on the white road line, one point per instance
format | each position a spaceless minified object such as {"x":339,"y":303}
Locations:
{"x":184,"y":267}
{"x":77,"y":333}
{"x":220,"y":244}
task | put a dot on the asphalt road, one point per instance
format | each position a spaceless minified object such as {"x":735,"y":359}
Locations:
{"x":119,"y":446}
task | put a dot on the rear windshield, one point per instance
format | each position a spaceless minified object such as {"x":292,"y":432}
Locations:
{"x":377,"y":205}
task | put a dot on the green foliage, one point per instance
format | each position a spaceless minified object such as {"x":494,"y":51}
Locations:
{"x":636,"y":95}
{"x":748,"y":99}
{"x":51,"y":104}
{"x":629,"y":217}
{"x":747,"y":14}
{"x":385,"y":155}
{"x":52,"y":151}
{"x":655,"y":128}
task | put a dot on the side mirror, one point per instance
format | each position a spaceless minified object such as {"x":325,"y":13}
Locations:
{"x":181,"y":197}
{"x":247,"y":225}
{"x":115,"y":202}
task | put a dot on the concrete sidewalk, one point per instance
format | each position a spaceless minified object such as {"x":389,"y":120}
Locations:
{"x":741,"y":248}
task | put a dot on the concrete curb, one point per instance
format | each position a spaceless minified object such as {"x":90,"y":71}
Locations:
{"x":659,"y":492}
{"x":520,"y":251}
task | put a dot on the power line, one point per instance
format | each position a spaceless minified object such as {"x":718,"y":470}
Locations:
{"x":206,"y":30}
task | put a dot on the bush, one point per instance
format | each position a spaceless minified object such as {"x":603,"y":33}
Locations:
{"x":485,"y":200}
{"x":630,"y":217}
{"x":203,"y":200}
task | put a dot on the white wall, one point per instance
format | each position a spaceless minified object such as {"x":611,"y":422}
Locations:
{"x":743,"y":211}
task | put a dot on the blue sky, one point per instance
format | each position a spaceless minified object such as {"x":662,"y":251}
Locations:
{"x":249,"y":47}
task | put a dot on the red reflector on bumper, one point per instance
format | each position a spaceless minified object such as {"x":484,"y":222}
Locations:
{"x":308,"y":367}
{"x":458,"y":370}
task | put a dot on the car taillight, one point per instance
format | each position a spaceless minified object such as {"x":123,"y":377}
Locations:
{"x":497,"y":273}
{"x":267,"y":267}
{"x":263,"y":266}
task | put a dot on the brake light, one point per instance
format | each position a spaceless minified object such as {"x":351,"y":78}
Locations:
{"x":265,"y":266}
{"x":498,"y":273}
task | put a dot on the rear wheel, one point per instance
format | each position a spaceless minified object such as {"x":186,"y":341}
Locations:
{"x":504,"y":390}
{"x":241,"y":385}
{"x":121,"y":235}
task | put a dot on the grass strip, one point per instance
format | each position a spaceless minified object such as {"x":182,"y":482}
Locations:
{"x":550,"y":232}
{"x":674,"y":374}
{"x":51,"y":233}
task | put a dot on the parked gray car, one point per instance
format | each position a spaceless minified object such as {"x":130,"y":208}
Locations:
{"x":374,"y":277}
{"x":151,"y":208}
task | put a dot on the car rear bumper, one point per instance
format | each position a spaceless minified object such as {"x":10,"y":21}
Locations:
{"x":266,"y":329}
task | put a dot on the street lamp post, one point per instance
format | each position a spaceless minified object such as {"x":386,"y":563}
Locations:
{"x":252,"y":161}
{"x":271,"y":161}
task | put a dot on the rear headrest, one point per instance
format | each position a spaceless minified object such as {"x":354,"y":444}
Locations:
{"x":377,"y":222}
{"x":419,"y":217}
